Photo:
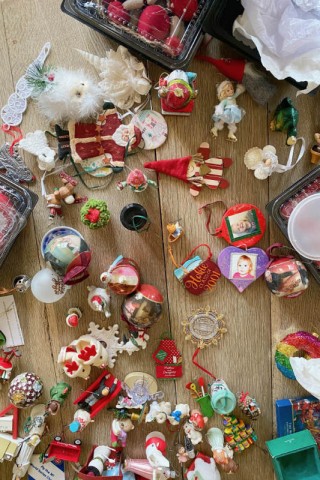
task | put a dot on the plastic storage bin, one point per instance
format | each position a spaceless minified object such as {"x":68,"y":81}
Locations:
{"x":16,"y":204}
{"x":281,"y":207}
{"x":132,"y":30}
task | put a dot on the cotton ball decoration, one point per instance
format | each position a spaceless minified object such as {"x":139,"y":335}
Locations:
{"x":64,"y":95}
{"x":154,"y":23}
{"x":47,"y":286}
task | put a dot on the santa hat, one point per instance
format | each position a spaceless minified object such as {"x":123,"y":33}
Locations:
{"x":175,"y":168}
{"x":231,"y":68}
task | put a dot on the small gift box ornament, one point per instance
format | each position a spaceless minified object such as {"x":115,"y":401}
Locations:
{"x":168,"y":359}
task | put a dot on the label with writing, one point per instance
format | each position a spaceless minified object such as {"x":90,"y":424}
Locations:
{"x":52,"y":470}
{"x":203,"y":278}
{"x":168,"y":371}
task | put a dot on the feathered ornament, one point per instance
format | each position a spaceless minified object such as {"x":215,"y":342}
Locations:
{"x":124,"y":78}
{"x":63,"y":95}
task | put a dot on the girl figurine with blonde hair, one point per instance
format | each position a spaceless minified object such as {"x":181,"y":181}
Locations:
{"x":227,"y":111}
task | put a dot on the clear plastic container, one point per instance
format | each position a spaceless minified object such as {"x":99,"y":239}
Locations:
{"x":16,"y":204}
{"x":304,"y":227}
{"x":282,"y":207}
{"x":171,"y":41}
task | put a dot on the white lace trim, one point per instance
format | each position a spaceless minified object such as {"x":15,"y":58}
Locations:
{"x":12,"y":112}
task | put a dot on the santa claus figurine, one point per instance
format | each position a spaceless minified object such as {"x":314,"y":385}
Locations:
{"x":99,"y":300}
{"x":177,"y":92}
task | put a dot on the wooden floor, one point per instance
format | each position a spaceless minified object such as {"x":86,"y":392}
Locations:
{"x":255,"y":320}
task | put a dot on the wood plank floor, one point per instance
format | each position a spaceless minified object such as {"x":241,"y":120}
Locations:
{"x":255,"y":320}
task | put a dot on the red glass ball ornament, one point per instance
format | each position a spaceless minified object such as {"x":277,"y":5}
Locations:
{"x":175,"y":45}
{"x":185,"y":9}
{"x":117,"y":13}
{"x":142,"y":308}
{"x":286,"y":277}
{"x":154,"y":23}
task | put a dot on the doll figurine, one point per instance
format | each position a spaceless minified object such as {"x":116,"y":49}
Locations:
{"x":182,"y":454}
{"x":190,"y":431}
{"x":137,"y":181}
{"x":227,"y":111}
{"x":119,"y":431}
{"x":102,"y":390}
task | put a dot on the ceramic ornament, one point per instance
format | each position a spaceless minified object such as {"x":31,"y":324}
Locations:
{"x":242,"y":267}
{"x":203,"y":467}
{"x":99,"y":300}
{"x":177,"y":92}
{"x":285,"y":119}
{"x":37,"y":144}
{"x":136,"y":181}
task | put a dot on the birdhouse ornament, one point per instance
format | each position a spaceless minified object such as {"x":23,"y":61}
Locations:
{"x":168,"y":359}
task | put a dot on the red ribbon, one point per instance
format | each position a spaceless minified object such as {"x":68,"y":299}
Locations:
{"x":194,"y":356}
{"x":11,"y":130}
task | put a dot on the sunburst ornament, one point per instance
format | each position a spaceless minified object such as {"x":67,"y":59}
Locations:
{"x":204,"y":327}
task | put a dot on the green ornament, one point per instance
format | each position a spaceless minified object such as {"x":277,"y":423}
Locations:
{"x":285,"y":119}
{"x":95,"y":214}
{"x":60,"y":392}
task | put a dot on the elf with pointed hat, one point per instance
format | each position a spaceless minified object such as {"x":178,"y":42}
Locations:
{"x":198,"y":170}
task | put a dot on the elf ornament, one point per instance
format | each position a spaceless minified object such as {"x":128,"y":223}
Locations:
{"x":285,"y":119}
{"x":137,"y":181}
{"x":198,"y":169}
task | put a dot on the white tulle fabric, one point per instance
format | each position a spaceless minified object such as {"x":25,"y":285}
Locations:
{"x":286,"y":34}
{"x":307,"y":373}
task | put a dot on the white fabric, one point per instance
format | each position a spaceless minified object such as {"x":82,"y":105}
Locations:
{"x":287,"y":36}
{"x":307,"y":373}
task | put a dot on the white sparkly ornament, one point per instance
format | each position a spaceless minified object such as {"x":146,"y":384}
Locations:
{"x":47,"y":286}
{"x":37,"y":144}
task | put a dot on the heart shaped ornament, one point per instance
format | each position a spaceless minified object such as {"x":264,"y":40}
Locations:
{"x":242,"y":267}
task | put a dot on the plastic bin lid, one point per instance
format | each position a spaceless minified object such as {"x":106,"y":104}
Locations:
{"x":304,"y":227}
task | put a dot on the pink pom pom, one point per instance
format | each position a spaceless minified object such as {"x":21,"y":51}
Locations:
{"x":154,"y":23}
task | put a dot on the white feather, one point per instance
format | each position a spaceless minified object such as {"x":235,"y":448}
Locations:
{"x":73,"y":96}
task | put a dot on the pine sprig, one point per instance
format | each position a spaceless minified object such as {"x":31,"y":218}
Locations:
{"x":39,"y":78}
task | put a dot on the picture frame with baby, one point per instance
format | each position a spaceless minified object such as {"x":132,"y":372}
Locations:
{"x":243,"y":266}
{"x":243,"y":225}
